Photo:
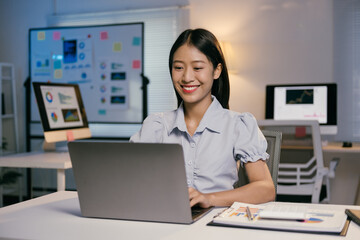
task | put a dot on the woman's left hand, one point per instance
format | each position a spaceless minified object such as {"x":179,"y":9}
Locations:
{"x":201,"y":199}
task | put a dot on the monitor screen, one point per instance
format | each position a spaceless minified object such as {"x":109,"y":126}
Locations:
{"x":304,"y":102}
{"x":61,"y":111}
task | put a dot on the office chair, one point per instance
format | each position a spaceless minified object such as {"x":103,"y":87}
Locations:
{"x":298,"y":175}
{"x":273,"y":139}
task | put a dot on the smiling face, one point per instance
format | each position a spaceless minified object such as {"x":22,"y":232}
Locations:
{"x":193,"y":75}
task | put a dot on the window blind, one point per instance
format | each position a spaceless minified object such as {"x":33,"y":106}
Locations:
{"x":347,"y":67}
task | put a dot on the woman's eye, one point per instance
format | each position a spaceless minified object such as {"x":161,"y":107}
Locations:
{"x":198,"y":68}
{"x":177,"y":67}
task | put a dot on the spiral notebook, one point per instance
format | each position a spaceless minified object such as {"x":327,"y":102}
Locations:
{"x":317,"y":220}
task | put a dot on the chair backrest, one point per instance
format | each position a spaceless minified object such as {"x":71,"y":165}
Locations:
{"x":299,"y":174}
{"x":273,"y":139}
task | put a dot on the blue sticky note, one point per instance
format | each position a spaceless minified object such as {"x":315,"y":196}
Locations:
{"x":57,"y":64}
{"x":136,"y":41}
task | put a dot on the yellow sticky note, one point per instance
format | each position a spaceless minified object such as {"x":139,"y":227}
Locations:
{"x":58,"y":73}
{"x":117,"y":47}
{"x":41,"y":36}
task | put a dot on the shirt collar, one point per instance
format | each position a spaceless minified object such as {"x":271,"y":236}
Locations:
{"x":210,"y":120}
{"x":179,"y":121}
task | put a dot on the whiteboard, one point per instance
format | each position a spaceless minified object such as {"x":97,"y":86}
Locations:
{"x":105,"y":61}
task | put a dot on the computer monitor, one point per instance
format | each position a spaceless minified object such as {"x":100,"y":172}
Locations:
{"x":61,"y":111}
{"x":304,"y":102}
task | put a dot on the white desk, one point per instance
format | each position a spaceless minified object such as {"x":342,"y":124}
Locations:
{"x":344,"y":188}
{"x":57,"y":216}
{"x":50,"y":160}
{"x":336,"y":147}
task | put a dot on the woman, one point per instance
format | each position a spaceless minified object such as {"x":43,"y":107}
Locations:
{"x":213,"y":138}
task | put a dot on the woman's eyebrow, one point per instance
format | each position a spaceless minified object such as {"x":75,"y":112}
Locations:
{"x":195,"y":61}
{"x":198,"y":61}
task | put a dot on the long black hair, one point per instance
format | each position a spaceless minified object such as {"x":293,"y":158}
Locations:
{"x":206,"y":43}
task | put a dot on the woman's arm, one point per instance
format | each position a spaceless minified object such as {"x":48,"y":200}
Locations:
{"x":259,"y":190}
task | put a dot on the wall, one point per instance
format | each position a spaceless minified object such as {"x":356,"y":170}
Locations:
{"x":15,"y":20}
{"x":275,"y":41}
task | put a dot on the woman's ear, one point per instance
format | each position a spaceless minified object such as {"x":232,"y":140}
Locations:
{"x":217,"y":71}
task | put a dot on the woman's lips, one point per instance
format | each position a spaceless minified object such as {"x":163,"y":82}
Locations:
{"x":189,"y":89}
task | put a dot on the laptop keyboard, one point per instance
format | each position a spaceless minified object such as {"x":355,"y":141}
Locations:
{"x":198,"y":212}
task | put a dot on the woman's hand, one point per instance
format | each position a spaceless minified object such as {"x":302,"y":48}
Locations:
{"x":201,"y":199}
{"x":260,"y":189}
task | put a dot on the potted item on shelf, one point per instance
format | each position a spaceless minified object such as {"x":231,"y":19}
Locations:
{"x":8,"y":176}
{"x":4,"y":144}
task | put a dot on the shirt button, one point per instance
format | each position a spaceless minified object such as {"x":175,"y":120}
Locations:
{"x":188,"y":182}
{"x":192,"y":144}
{"x":189,"y":162}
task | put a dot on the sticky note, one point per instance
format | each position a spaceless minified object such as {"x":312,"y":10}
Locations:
{"x":70,"y":136}
{"x":57,"y":64}
{"x":56,"y":36}
{"x":136,"y":41}
{"x":58,"y":73}
{"x":41,"y":36}
{"x":104,"y":36}
{"x":300,"y":132}
{"x":117,"y":47}
{"x":136,"y":64}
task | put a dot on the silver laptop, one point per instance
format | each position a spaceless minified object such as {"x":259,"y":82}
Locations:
{"x":132,"y":181}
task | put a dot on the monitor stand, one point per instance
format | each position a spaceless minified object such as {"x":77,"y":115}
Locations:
{"x":51,"y":146}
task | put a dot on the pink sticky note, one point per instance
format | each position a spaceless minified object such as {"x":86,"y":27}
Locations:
{"x":300,"y":132}
{"x":104,"y":35}
{"x":70,"y":136}
{"x":136,"y":64}
{"x":56,"y":36}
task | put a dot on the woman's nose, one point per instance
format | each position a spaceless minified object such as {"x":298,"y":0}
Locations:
{"x":188,"y":75}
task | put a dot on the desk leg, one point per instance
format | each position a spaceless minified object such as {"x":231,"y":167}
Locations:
{"x":29,"y":183}
{"x":61,"y":179}
{"x":1,"y":196}
{"x":357,"y":197}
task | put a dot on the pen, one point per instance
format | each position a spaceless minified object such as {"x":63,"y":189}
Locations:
{"x":249,"y":214}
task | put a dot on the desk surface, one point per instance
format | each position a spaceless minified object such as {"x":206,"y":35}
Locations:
{"x":53,"y":160}
{"x":336,"y":147}
{"x":331,"y":147}
{"x":57,"y":216}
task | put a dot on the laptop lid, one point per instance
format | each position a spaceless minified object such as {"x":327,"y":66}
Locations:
{"x":131,"y":181}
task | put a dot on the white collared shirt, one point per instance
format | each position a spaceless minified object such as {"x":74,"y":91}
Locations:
{"x":222,"y":138}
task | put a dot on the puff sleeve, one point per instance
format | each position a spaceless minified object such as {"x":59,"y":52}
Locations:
{"x":250,"y":143}
{"x":151,"y":130}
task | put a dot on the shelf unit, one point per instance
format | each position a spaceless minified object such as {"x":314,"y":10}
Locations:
{"x":9,"y":137}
